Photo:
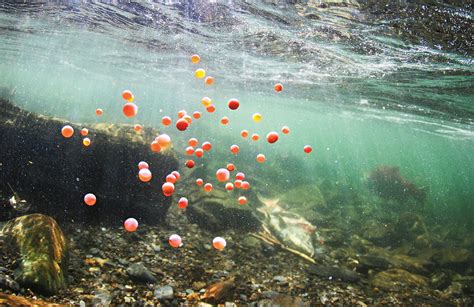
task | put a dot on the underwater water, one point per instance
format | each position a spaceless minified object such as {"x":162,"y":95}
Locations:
{"x":387,"y":110}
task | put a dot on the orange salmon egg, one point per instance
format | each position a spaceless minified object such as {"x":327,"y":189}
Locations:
{"x":130,"y":224}
{"x":137,"y":128}
{"x":176,"y":174}
{"x":238,"y":184}
{"x":189,"y":150}
{"x":193,"y":142}
{"x":229,"y":186}
{"x":230,"y":167}
{"x":199,"y":181}
{"x":278,"y":87}
{"x":167,"y":188}
{"x":222,"y":174}
{"x":174,"y":241}
{"x":67,"y":131}
{"x":183,"y":203}
{"x":155,"y":146}
{"x":143,"y":165}
{"x":245,"y":185}
{"x":182,"y":124}
{"x":209,"y":80}
{"x":197,"y":115}
{"x":130,"y":109}
{"x":166,"y":121}
{"x":208,"y":187}
{"x":285,"y":130}
{"x":144,"y":175}
{"x":90,"y":199}
{"x":206,"y":101}
{"x":200,"y":73}
{"x":233,"y":104}
{"x":307,"y":149}
{"x":199,"y":152}
{"x":244,"y":133}
{"x":234,"y":149}
{"x":127,"y":95}
{"x":211,"y":108}
{"x":225,"y":120}
{"x":99,"y":112}
{"x":240,"y":176}
{"x":242,"y":200}
{"x":86,"y":142}
{"x":272,"y":137}
{"x":164,"y":140}
{"x":171,"y":178}
{"x":261,"y":158}
{"x":255,"y":137}
{"x":195,"y":58}
{"x":206,"y":146}
{"x":84,"y":131}
{"x":181,"y":113}
{"x":219,"y":243}
{"x":190,"y":163}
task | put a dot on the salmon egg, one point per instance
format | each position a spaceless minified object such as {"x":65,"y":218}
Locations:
{"x":206,"y":146}
{"x":181,"y":113}
{"x":143,"y":165}
{"x":130,"y":224}
{"x":144,"y":175}
{"x":209,"y":80}
{"x":257,"y":117}
{"x":245,"y":185}
{"x":182,"y":124}
{"x":130,"y":109}
{"x":199,"y":181}
{"x":208,"y":187}
{"x":307,"y":149}
{"x":190,"y":163}
{"x":67,"y":131}
{"x":155,"y":147}
{"x":166,"y":121}
{"x":90,"y":199}
{"x":189,"y":150}
{"x":86,"y":142}
{"x":261,"y":158}
{"x":206,"y":101}
{"x":229,"y":186}
{"x":200,"y":73}
{"x":230,"y":167}
{"x":171,"y":178}
{"x":211,"y":108}
{"x":255,"y":137}
{"x":222,"y":174}
{"x":285,"y":130}
{"x":195,"y":58}
{"x":167,"y":188}
{"x":197,"y":115}
{"x":174,"y":241}
{"x":225,"y":120}
{"x":164,"y":140}
{"x":234,"y":149}
{"x":84,"y":131}
{"x":193,"y":142}
{"x":278,"y":87}
{"x":242,"y":200}
{"x":183,"y":203}
{"x":244,"y":133}
{"x":127,"y":95}
{"x":137,"y":128}
{"x":99,"y":111}
{"x":233,"y":104}
{"x":199,"y":152}
{"x":219,"y":243}
{"x":238,"y":184}
{"x":188,"y":118}
{"x":240,"y":176}
{"x":176,"y":174}
{"x":272,"y":137}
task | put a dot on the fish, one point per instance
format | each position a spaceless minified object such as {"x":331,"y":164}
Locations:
{"x":16,"y":203}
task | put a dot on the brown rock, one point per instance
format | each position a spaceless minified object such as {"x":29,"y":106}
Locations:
{"x":219,"y":292}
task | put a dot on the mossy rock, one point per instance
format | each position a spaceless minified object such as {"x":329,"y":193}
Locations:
{"x":43,"y":251}
{"x":397,"y":279}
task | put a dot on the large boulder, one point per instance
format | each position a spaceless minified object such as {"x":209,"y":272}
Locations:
{"x":43,"y":252}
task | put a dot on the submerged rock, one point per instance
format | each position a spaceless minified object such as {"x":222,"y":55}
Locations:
{"x":164,"y":293}
{"x":6,"y":282}
{"x":332,"y":272}
{"x":15,"y":300}
{"x":219,"y":292}
{"x":43,"y":251}
{"x":139,"y":273}
{"x":397,"y":279}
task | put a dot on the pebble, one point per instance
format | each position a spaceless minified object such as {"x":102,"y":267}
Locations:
{"x":279,"y":279}
{"x":163,"y":293}
{"x":8,"y":282}
{"x":139,"y":273}
{"x":270,"y":294}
